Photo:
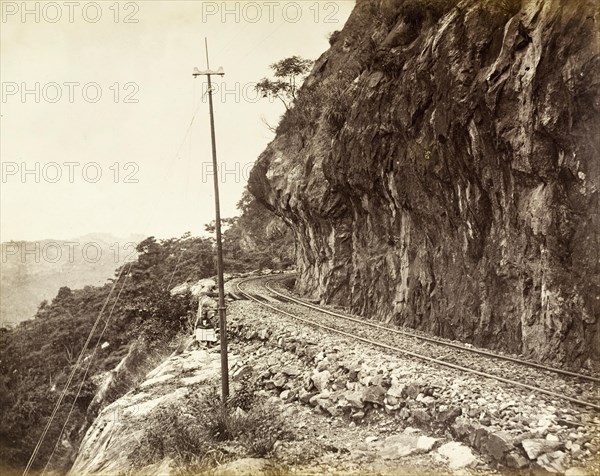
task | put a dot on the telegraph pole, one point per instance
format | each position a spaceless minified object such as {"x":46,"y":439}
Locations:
{"x":222,"y":317}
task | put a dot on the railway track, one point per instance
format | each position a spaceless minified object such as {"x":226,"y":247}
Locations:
{"x":579,"y":389}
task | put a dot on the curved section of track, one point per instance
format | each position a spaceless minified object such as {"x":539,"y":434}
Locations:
{"x":298,"y":309}
{"x":432,"y":339}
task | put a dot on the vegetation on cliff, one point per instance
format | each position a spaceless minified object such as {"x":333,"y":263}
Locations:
{"x":200,"y":434}
{"x":37,"y":357}
{"x":142,"y":319}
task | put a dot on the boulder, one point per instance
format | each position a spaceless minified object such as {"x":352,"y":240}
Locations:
{"x":412,"y":390}
{"x":398,"y":446}
{"x":392,"y":401}
{"x":553,"y":462}
{"x":304,"y":396}
{"x":421,"y":416}
{"x":381,"y":380}
{"x":285,"y":395}
{"x":429,"y":401}
{"x":265,"y":375}
{"x":448,"y":416}
{"x":498,"y":444}
{"x":203,"y":286}
{"x":291,"y":371}
{"x":328,"y":406}
{"x":279,"y":380}
{"x":457,"y":455}
{"x":426,"y":443}
{"x":516,"y":460}
{"x":336,"y":395}
{"x":310,"y":351}
{"x":374,"y":394}
{"x":538,"y":446}
{"x":315,"y":399}
{"x":396,"y":391}
{"x":320,"y":379}
{"x":323,"y":364}
{"x":462,"y":428}
{"x":243,"y":372}
{"x":479,"y":437}
{"x":354,"y":399}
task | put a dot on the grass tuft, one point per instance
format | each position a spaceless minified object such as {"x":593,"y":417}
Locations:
{"x":199,"y":434}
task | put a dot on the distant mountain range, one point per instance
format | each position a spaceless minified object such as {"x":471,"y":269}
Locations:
{"x":33,"y":271}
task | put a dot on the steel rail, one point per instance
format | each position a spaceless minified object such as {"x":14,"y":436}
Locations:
{"x":433,"y":360}
{"x":527,"y":363}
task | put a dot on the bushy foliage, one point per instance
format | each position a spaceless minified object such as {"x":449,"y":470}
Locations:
{"x":244,"y":394}
{"x":338,"y":107}
{"x":256,"y":239}
{"x":334,"y":36}
{"x":289,"y":73}
{"x":302,"y":119}
{"x":198,"y":432}
{"x":331,"y":102}
{"x":414,"y":12}
{"x":172,"y":432}
{"x":510,"y":7}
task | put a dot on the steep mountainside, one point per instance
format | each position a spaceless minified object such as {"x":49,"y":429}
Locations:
{"x":440,"y":170}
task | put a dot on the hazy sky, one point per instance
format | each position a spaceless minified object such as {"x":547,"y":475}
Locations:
{"x":97,"y":100}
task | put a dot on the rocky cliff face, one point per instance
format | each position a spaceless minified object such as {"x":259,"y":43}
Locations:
{"x":440,"y":170}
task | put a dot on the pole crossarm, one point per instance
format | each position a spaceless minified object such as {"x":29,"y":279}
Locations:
{"x":208,"y":72}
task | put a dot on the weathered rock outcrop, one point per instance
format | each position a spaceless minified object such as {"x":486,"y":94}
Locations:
{"x":113,"y":437}
{"x":440,"y":170}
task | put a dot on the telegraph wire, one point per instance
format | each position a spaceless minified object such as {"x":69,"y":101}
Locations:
{"x":183,"y":250}
{"x":69,"y":380}
{"x":91,"y":359}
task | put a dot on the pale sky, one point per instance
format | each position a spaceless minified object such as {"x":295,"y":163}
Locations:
{"x":57,"y":57}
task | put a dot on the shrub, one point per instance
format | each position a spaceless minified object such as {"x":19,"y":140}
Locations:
{"x":510,"y":7}
{"x":334,"y":36}
{"x":415,"y":12}
{"x":302,"y":117}
{"x":197,"y":434}
{"x":244,"y":395}
{"x":331,"y":101}
{"x":338,"y":107}
{"x":260,"y":430}
{"x":171,"y":433}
